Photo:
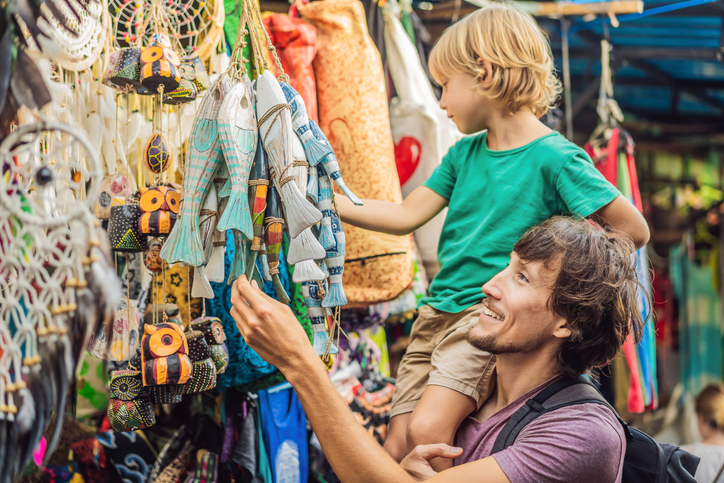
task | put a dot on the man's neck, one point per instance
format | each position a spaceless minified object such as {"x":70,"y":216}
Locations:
{"x":517,"y":374}
{"x":510,"y":131}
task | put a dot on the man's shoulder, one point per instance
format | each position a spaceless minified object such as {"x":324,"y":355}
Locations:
{"x":582,"y":420}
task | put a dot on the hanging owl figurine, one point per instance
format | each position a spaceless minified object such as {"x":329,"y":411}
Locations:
{"x":164,"y":355}
{"x":160,"y":67}
{"x":129,"y":407}
{"x":159,"y":206}
{"x":215,"y":337}
{"x":157,"y":153}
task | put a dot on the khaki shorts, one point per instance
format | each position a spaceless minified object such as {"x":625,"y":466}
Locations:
{"x":439,"y":355}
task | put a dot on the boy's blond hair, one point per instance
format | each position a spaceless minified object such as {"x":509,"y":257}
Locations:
{"x":519,"y":51}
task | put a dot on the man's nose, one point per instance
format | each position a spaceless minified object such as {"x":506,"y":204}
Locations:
{"x":492,"y":288}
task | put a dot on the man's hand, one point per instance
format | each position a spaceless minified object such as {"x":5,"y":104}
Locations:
{"x":417,"y":463}
{"x":268,"y":326}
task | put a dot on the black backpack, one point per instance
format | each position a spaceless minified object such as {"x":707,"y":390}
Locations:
{"x":645,"y":460}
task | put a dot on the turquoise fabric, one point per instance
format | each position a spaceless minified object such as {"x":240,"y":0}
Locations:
{"x":494,"y":197}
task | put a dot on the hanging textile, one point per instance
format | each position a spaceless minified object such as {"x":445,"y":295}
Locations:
{"x":700,"y":330}
{"x":614,"y":158}
{"x":353,"y":114}
{"x":296,"y":44}
{"x":421,"y":130}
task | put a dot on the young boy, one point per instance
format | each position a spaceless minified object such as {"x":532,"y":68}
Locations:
{"x":497,"y":74}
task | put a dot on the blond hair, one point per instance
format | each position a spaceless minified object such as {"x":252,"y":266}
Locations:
{"x":519,"y":51}
{"x":710,"y":406}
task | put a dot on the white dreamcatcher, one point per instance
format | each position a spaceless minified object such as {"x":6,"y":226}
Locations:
{"x":197,"y":24}
{"x":80,"y":51}
{"x":56,"y":282}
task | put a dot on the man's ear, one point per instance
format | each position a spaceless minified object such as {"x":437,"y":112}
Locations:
{"x":561,"y":329}
{"x":486,"y":76}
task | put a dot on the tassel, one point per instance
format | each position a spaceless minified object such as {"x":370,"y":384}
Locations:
{"x":307,"y":271}
{"x":184,"y":244}
{"x":305,"y":247}
{"x":335,"y":297}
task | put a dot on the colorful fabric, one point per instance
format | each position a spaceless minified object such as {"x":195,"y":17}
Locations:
{"x":178,"y":282}
{"x":130,"y":452}
{"x":284,"y":428}
{"x":494,"y":197}
{"x":92,"y":388}
{"x":353,"y":113}
{"x":296,"y":44}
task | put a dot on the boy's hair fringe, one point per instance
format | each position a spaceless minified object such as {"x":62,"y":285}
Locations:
{"x":519,"y":51}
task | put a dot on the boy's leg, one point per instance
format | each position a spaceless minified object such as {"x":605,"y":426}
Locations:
{"x":460,"y":381}
{"x":429,"y":425}
{"x":412,"y":378}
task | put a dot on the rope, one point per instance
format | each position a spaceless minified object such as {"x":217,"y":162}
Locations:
{"x":275,"y":109}
{"x":258,"y":182}
{"x":301,"y":163}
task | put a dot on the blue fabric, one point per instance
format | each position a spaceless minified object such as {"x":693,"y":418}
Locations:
{"x":245,"y":365}
{"x":284,"y":427}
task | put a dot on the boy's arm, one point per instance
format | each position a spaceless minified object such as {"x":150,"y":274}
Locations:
{"x":622,"y":215}
{"x":399,"y":219}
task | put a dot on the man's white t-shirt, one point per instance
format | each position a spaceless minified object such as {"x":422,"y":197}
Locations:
{"x":712,"y":460}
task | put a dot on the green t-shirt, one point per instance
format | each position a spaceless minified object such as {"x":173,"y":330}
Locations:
{"x":494,"y":197}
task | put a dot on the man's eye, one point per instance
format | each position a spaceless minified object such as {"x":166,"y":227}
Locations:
{"x":521,"y":277}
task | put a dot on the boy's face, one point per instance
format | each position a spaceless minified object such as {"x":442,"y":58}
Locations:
{"x":464,"y":104}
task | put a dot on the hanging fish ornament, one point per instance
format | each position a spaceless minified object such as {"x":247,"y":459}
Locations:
{"x":238,"y":139}
{"x":335,"y":263}
{"x":215,"y":268}
{"x":274,"y":223}
{"x":258,"y":189}
{"x":184,"y":243}
{"x":305,"y":246}
{"x":313,"y":185}
{"x":313,"y":148}
{"x":275,"y":130}
{"x":326,"y":237}
{"x":239,"y":264}
{"x":208,"y":215}
{"x":317,"y":316}
{"x":332,"y":166}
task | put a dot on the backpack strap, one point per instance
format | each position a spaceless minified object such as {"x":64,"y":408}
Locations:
{"x":566,"y":391}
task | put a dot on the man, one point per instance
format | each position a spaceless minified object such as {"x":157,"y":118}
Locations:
{"x":565,"y":304}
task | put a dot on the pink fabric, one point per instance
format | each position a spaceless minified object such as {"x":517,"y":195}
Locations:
{"x":578,"y":443}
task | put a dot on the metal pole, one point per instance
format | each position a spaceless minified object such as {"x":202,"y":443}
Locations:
{"x":567,"y":79}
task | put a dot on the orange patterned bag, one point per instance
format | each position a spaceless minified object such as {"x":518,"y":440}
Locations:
{"x":353,"y":112}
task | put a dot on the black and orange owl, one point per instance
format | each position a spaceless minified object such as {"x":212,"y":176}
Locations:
{"x":160,"y":67}
{"x":160,"y":206}
{"x":164,"y":355}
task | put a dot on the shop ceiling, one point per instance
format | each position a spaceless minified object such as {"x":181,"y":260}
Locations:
{"x":667,"y":64}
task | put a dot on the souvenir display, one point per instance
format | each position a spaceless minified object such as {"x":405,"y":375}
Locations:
{"x":113,"y":186}
{"x":157,"y":154}
{"x":203,"y":376}
{"x":126,"y":385}
{"x":151,"y":257}
{"x":195,"y":71}
{"x":275,"y":130}
{"x":125,"y":70}
{"x":166,"y":394}
{"x":123,"y":340}
{"x":313,"y":294}
{"x":335,"y":264}
{"x":273,"y":225}
{"x":124,"y":233}
{"x":159,"y":206}
{"x":164,"y":355}
{"x":326,"y":237}
{"x":238,"y":139}
{"x":258,"y":191}
{"x":213,"y":331}
{"x":203,"y":157}
{"x":185,"y":92}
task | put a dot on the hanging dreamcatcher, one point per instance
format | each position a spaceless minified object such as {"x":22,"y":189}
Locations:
{"x":197,"y":24}
{"x":56,"y":283}
{"x":82,"y":47}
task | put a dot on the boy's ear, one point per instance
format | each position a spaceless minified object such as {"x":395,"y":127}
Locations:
{"x":486,"y":76}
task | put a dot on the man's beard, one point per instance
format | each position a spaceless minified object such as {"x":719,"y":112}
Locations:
{"x":489,"y":343}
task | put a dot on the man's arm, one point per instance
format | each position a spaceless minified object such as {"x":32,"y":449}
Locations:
{"x":271,"y":329}
{"x":623,"y":216}
{"x":400,"y":219}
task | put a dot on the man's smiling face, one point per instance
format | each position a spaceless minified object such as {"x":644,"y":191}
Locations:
{"x":516,"y":318}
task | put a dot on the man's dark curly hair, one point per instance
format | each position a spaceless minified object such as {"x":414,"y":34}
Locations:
{"x":595,"y":291}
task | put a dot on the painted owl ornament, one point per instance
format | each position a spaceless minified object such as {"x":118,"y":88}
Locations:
{"x":159,"y":207}
{"x":130,"y":407}
{"x":160,"y":67}
{"x":213,"y":332}
{"x":203,"y":376}
{"x":164,"y":355}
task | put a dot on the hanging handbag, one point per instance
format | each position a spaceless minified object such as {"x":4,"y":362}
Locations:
{"x":122,"y":343}
{"x":130,"y":408}
{"x":112,"y":186}
{"x":124,"y":234}
{"x":203,"y":376}
{"x":125,"y":72}
{"x":159,"y":206}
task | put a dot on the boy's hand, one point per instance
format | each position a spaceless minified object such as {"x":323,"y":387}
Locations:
{"x":268,"y":326}
{"x":417,"y":463}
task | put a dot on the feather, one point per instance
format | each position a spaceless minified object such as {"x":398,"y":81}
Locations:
{"x":27,"y":83}
{"x":6,"y":61}
{"x":307,"y":271}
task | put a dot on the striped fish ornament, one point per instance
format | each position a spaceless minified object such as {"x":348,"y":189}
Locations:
{"x":274,"y":224}
{"x":202,"y":160}
{"x":238,"y":138}
{"x":258,"y":191}
{"x":335,"y":264}
{"x":331,"y":165}
{"x":313,"y":148}
{"x":326,"y":237}
{"x":317,"y":316}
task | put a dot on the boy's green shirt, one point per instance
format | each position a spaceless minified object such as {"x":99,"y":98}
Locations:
{"x":494,"y":197}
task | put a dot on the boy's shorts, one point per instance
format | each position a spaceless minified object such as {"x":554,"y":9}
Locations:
{"x":439,"y":355}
